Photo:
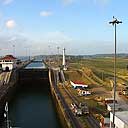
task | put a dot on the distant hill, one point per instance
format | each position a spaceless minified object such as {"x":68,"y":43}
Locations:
{"x":110,"y":55}
{"x":122,"y":55}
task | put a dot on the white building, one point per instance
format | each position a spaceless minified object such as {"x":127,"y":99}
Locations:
{"x":110,"y":107}
{"x":78,"y":84}
{"x":121,"y":119}
{"x":8,"y":63}
{"x":109,"y":100}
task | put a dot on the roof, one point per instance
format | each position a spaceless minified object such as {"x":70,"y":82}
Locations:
{"x":112,"y":105}
{"x":122,"y":116}
{"x":78,"y":82}
{"x":109,"y":99}
{"x":8,"y":57}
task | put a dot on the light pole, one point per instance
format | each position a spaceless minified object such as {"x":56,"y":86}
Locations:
{"x":58,"y":48}
{"x":29,"y":53}
{"x":49,"y":57}
{"x":114,"y":22}
{"x":58,"y":53}
{"x":13,"y":49}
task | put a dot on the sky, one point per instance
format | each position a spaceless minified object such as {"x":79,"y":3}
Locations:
{"x":81,"y":26}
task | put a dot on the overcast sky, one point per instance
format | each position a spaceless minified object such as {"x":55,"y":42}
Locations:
{"x":81,"y":26}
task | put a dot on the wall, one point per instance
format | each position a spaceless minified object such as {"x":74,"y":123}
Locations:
{"x":59,"y":105}
{"x":28,"y":75}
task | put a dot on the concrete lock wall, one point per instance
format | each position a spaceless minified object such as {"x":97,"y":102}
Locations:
{"x":6,"y":92}
{"x":28,"y":75}
{"x":20,"y":77}
{"x":65,"y":120}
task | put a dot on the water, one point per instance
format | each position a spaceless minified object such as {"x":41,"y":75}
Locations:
{"x":35,"y":65}
{"x":32,"y":107}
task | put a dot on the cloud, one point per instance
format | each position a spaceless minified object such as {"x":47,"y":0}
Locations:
{"x":7,"y":42}
{"x":49,"y":42}
{"x":1,"y":15}
{"x":45,"y":13}
{"x":68,"y":2}
{"x":57,"y":36}
{"x":96,"y":2}
{"x":6,"y":2}
{"x":101,"y":2}
{"x":10,"y":24}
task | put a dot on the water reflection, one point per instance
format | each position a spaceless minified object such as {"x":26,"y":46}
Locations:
{"x":36,"y":65}
{"x":32,"y":107}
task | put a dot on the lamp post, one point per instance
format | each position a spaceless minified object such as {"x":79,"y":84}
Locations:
{"x":58,"y":53}
{"x":13,"y":49}
{"x":114,"y":22}
{"x":29,"y":53}
{"x":49,"y":57}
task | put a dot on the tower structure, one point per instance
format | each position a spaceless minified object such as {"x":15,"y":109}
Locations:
{"x":64,"y":63}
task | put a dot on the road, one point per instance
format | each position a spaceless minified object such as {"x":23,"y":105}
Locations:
{"x":120,"y":100}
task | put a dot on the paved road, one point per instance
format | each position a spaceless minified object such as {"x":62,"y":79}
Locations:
{"x":120,"y":100}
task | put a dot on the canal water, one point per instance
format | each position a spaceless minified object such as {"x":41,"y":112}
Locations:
{"x":32,"y":107}
{"x":36,"y":65}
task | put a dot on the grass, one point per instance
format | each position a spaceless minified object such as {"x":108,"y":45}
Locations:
{"x":102,"y":69}
{"x":98,"y":73}
{"x":76,"y":75}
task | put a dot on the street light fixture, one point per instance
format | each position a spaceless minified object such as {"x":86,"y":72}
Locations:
{"x":58,"y":48}
{"x":13,"y":50}
{"x":58,"y":53}
{"x":114,"y":23}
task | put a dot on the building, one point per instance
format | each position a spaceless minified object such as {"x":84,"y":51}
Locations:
{"x":110,"y":107}
{"x":8,"y":63}
{"x":121,"y":119}
{"x":82,"y":92}
{"x":109,"y":100}
{"x":78,"y":84}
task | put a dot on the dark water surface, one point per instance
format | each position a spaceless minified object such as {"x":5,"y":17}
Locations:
{"x":32,"y":107}
{"x":35,"y":65}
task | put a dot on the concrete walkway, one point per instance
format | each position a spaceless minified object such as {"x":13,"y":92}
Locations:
{"x":4,"y":77}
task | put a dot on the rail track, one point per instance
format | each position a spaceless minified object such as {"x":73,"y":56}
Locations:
{"x":92,"y":122}
{"x":69,"y":113}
